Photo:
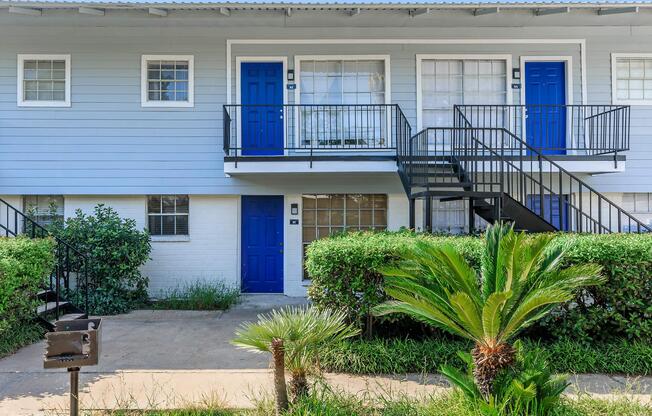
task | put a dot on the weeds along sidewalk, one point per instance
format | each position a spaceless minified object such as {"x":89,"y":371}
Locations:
{"x":165,"y":389}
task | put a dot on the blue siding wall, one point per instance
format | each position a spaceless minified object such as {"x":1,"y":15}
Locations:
{"x":106,"y":143}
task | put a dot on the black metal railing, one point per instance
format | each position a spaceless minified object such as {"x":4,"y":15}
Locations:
{"x":71,"y":266}
{"x":558,"y":129}
{"x":496,"y":160}
{"x":311,"y":129}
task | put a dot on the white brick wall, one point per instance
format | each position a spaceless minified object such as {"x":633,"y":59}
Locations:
{"x":210,"y":253}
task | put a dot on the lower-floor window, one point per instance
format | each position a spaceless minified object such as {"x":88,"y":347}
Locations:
{"x":44,"y":209}
{"x":453,"y":217}
{"x":327,"y":214}
{"x":168,"y":214}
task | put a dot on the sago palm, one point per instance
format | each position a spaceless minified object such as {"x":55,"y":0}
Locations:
{"x":521,"y":281}
{"x":293,"y":336}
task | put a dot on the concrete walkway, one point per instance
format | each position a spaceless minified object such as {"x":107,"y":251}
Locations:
{"x":159,"y":359}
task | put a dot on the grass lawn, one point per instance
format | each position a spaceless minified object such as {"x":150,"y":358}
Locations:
{"x":331,"y":404}
{"x":426,"y":356}
{"x":21,"y":336}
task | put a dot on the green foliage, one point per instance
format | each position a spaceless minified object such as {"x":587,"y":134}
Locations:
{"x":304,"y":330}
{"x":24,"y":266}
{"x":115,"y":250}
{"x":344,"y":268}
{"x":527,"y":388}
{"x":199,"y":296}
{"x":521,"y":282}
{"x":344,"y":272}
{"x":620,"y":308}
{"x":401,"y":356}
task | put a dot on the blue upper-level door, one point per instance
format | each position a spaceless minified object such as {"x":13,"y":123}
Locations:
{"x":262,"y":244}
{"x":262,"y":108}
{"x":545,"y":97}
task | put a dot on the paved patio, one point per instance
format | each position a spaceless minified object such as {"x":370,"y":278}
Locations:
{"x":171,"y":358}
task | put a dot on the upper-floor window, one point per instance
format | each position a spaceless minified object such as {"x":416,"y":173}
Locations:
{"x":343,"y":100}
{"x":167,"y":81}
{"x":631,"y":78}
{"x":342,"y":81}
{"x":168,"y":214}
{"x":448,"y":81}
{"x":43,"y":80}
{"x":44,"y":209}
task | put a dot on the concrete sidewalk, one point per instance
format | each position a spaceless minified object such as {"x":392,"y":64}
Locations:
{"x":158,"y":359}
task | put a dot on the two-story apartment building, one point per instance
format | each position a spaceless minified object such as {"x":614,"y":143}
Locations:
{"x":237,"y":133}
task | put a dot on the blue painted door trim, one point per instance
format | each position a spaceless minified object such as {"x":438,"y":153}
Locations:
{"x":555,"y":215}
{"x":262,"y":244}
{"x":545,"y":83}
{"x":261,"y":94}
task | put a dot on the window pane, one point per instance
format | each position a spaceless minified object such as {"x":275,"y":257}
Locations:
{"x":634,"y":78}
{"x":182,"y":204}
{"x":182,"y":224}
{"x":154,"y":204}
{"x":154,"y":225}
{"x":167,"y":202}
{"x":168,"y":224}
{"x":38,"y":76}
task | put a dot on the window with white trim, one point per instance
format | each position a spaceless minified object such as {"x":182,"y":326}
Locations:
{"x":168,"y":214}
{"x":43,"y":80}
{"x":632,"y":76}
{"x":337,"y":84}
{"x":167,"y":81}
{"x":44,"y":209}
{"x":449,"y":82}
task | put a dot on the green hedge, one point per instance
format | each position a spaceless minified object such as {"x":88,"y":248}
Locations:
{"x":24,"y":266}
{"x":344,"y":277}
{"x":400,"y":356}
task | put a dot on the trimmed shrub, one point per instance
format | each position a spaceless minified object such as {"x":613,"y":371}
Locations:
{"x":344,"y":273}
{"x":344,"y":268}
{"x":620,"y":308}
{"x":24,"y":266}
{"x":115,"y":250}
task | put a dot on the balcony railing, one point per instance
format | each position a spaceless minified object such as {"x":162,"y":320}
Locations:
{"x":312,"y":130}
{"x":586,"y":130}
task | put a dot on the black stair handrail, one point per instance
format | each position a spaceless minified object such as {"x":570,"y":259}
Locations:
{"x":67,"y":258}
{"x":522,"y":153}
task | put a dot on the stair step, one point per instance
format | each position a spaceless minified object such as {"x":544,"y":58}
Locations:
{"x":70,"y":317}
{"x":445,"y":185}
{"x":51,"y":307}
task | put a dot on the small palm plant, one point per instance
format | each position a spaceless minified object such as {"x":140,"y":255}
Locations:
{"x":521,"y":281}
{"x":293,"y":335}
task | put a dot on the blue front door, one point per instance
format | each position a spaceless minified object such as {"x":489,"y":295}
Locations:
{"x":262,"y":108}
{"x":545,"y":97}
{"x":262,"y":244}
{"x":556,"y":215}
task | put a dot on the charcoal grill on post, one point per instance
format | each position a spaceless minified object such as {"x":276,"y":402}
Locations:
{"x":73,"y":344}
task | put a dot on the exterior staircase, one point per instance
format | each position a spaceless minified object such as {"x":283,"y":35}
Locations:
{"x":503,"y":178}
{"x":70,"y":269}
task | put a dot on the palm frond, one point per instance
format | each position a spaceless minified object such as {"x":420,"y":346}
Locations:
{"x":492,"y":313}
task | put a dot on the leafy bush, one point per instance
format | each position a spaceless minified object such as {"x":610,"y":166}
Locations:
{"x":619,"y":308}
{"x":344,"y":268}
{"x":24,"y":266}
{"x":199,"y":296}
{"x":344,"y":273}
{"x":527,"y":388}
{"x":115,"y":250}
{"x":401,"y":356}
